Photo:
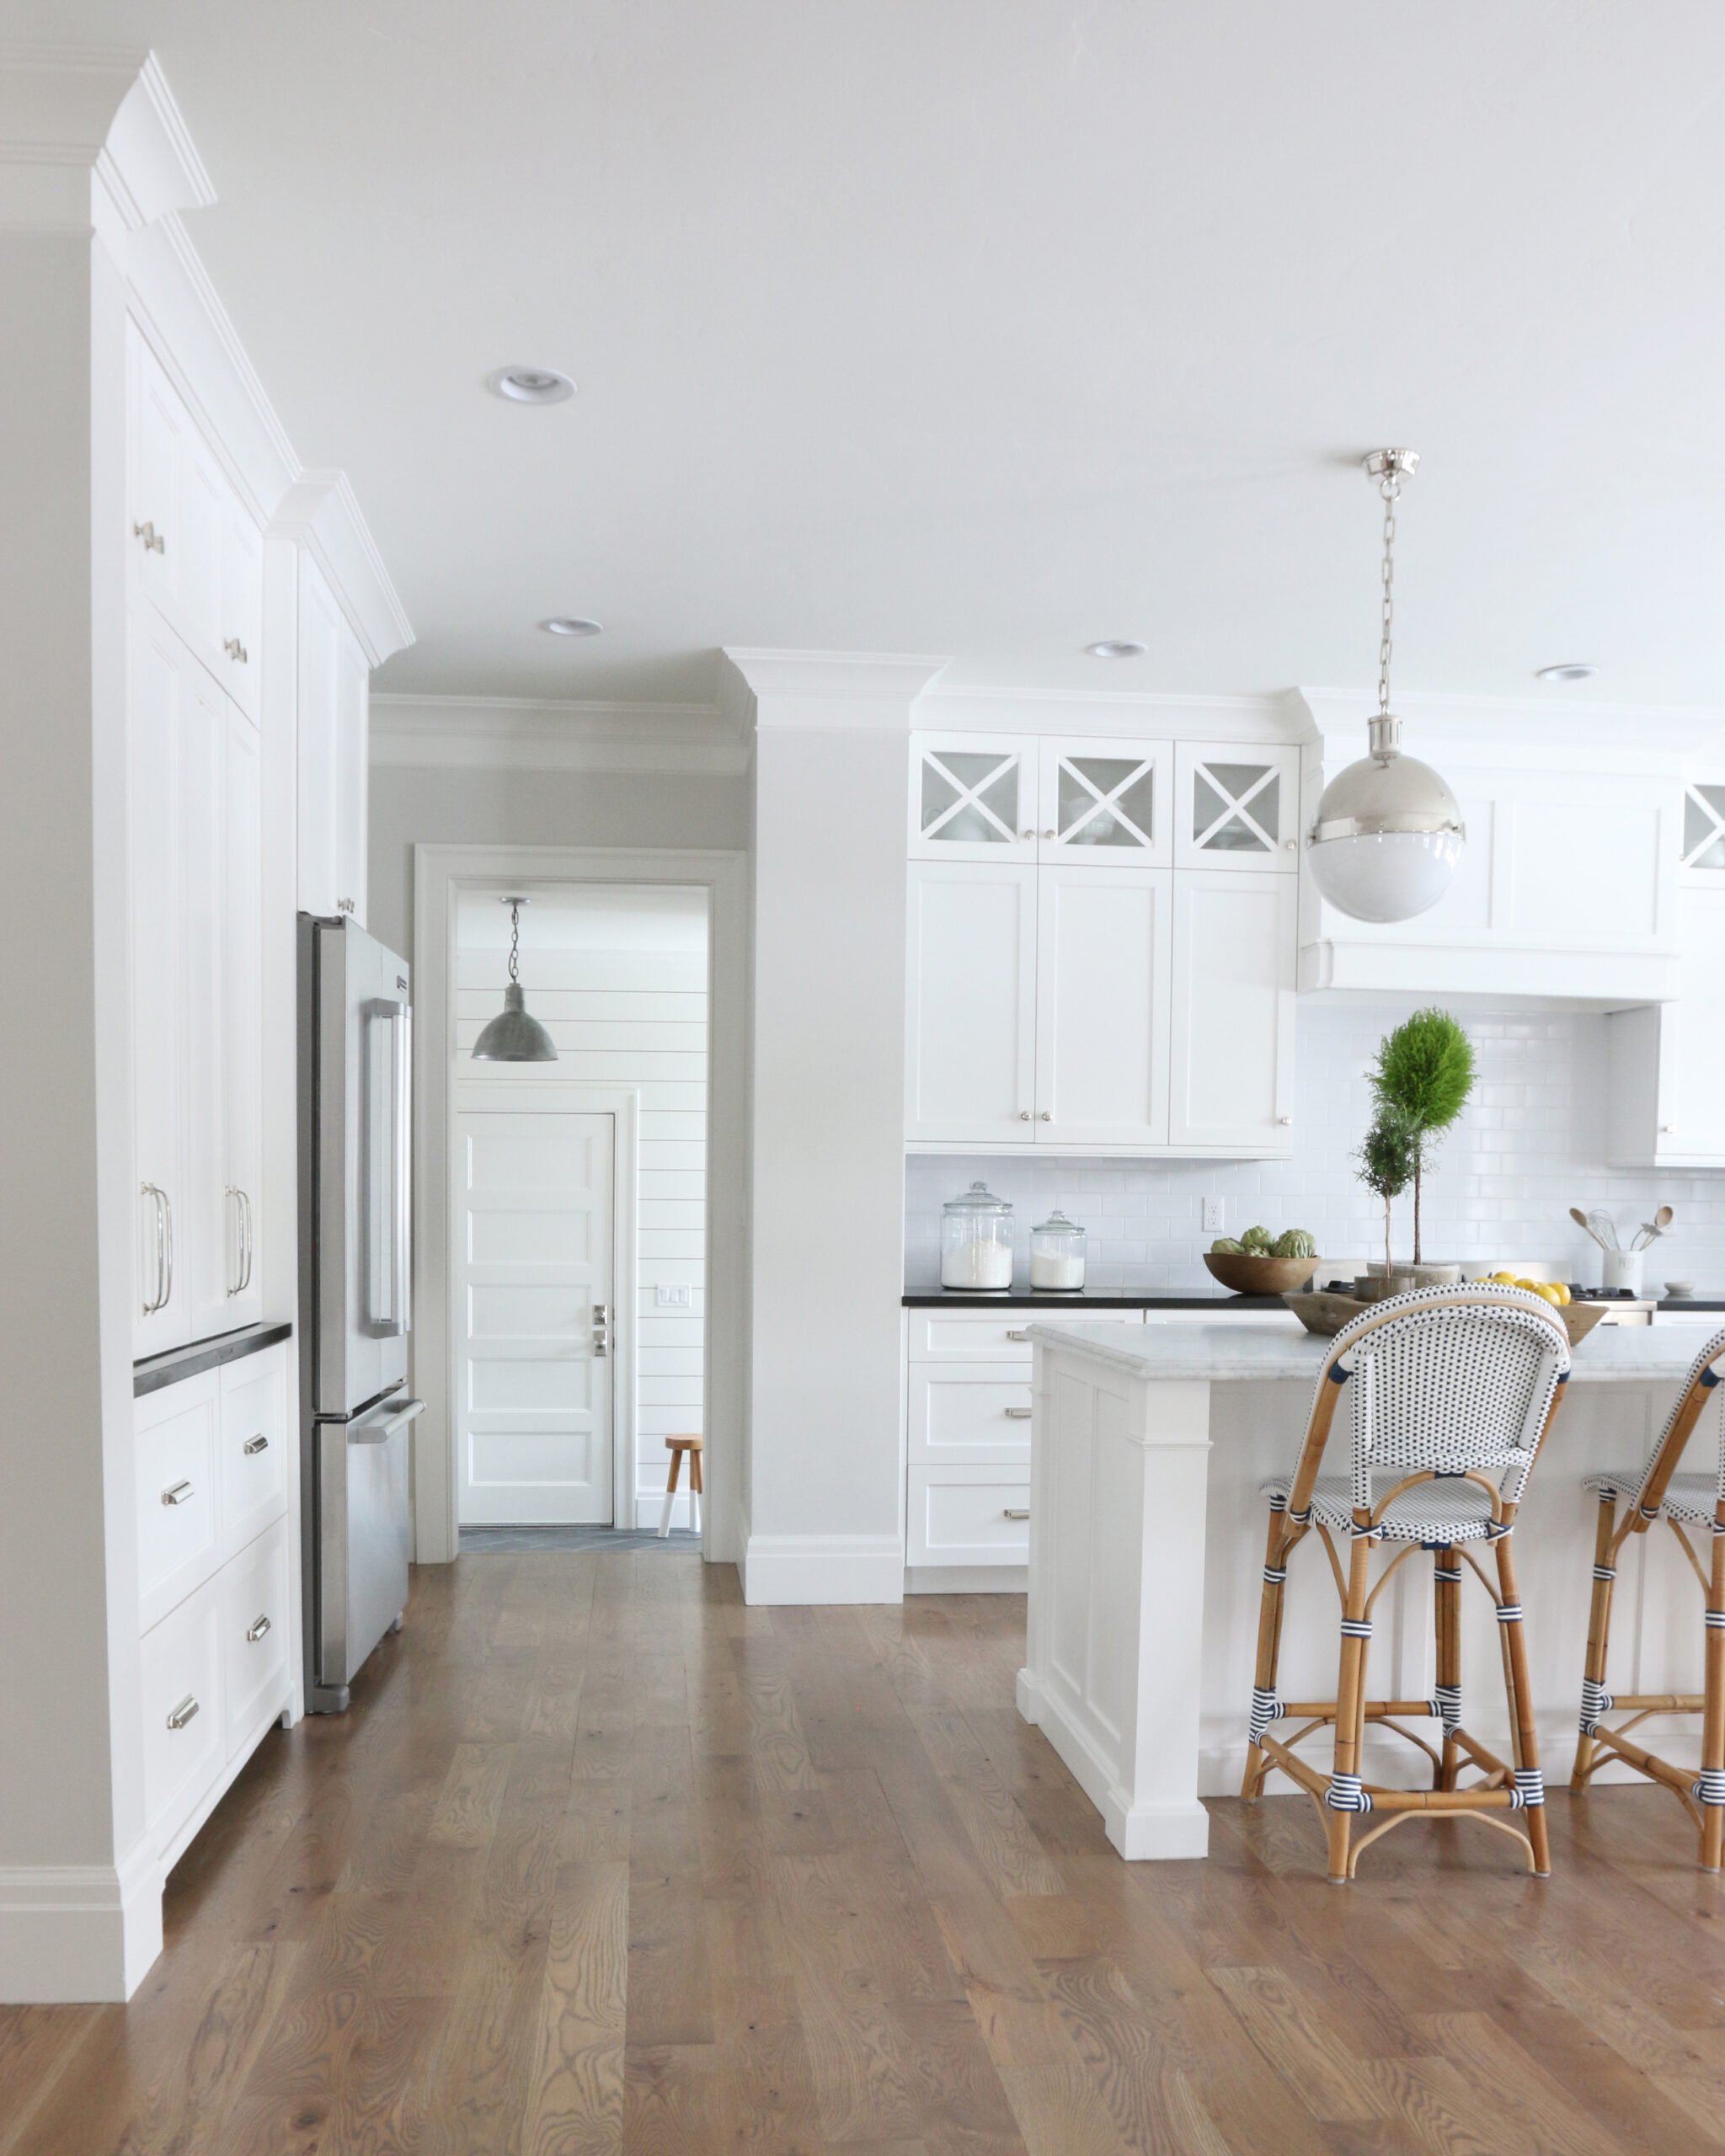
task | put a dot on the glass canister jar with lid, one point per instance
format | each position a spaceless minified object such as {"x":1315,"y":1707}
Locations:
{"x":1057,"y":1251}
{"x":976,"y":1241}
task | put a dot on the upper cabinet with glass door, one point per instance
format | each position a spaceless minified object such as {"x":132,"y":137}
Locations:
{"x":1703,"y":860}
{"x":1109,"y":803}
{"x":973,"y":798}
{"x":1237,"y":806}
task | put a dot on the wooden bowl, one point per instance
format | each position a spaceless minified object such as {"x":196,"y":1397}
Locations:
{"x":1326,"y":1315}
{"x":1259,"y":1275}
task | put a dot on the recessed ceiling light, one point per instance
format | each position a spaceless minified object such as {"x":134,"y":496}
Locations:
{"x":571,"y":625}
{"x":1116,"y":648}
{"x":530,"y":385}
{"x":1572,"y":670}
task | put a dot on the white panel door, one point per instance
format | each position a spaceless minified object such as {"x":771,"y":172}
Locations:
{"x":1104,"y":941}
{"x":242,"y":1023}
{"x":1232,"y":1076}
{"x":533,"y":1259}
{"x":970,"y":1018}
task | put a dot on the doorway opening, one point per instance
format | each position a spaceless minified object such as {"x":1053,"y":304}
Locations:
{"x":578,"y":1188}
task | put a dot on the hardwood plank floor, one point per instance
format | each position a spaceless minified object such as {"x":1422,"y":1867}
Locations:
{"x":603,"y":1861}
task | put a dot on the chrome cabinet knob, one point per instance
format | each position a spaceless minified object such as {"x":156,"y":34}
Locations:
{"x":253,"y":1446}
{"x":256,"y":1630}
{"x":1024,"y":1115}
{"x":1015,"y":1511}
{"x":1048,"y":1115}
{"x":178,"y":1494}
{"x":154,"y":543}
{"x":183,"y":1712}
{"x":235,"y":649}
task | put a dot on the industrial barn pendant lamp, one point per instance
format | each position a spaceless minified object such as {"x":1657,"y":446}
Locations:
{"x":1389,"y":831}
{"x":513,"y":1035}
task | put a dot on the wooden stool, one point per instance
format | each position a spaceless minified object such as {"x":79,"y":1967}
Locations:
{"x":676,"y":1447}
{"x":1696,"y":1502}
{"x":1450,"y":1392}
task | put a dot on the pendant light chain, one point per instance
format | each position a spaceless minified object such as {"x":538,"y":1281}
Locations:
{"x":1389,"y":487}
{"x":515,"y":943}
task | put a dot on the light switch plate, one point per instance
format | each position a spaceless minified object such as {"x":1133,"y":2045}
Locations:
{"x":1215,"y":1215}
{"x":672,"y":1296}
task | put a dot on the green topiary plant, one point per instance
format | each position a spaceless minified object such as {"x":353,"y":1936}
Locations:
{"x":1387,"y":1160}
{"x":1424,"y":1076}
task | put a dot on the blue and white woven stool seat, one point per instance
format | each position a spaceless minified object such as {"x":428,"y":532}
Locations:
{"x":1448,"y":1510}
{"x":1690,"y":1497}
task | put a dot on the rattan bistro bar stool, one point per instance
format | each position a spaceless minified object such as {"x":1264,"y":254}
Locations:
{"x":1654,"y":1492}
{"x":1451,"y":1391}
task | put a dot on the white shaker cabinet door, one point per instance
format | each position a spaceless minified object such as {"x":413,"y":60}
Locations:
{"x":1105,"y":941}
{"x":202,"y":1238}
{"x":156,"y":690}
{"x":239,"y":626}
{"x":970,"y":1018}
{"x":243,"y":1025}
{"x":353,"y":729}
{"x":973,"y":798}
{"x":1667,"y":1103}
{"x":1232,"y":1064}
{"x":333,"y":694}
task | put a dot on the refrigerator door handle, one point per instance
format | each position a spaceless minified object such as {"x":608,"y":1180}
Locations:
{"x":389,"y":1169}
{"x":402,"y":1074}
{"x":368,"y":1433}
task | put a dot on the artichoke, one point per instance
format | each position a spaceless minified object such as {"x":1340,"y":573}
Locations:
{"x":1256,"y":1242}
{"x":1226,"y":1247}
{"x":1294,"y":1242}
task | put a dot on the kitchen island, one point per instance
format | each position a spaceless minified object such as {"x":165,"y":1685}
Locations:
{"x":1148,"y":1445}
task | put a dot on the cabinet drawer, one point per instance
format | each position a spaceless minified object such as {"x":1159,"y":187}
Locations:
{"x":252,"y":1596}
{"x":992,"y":1335}
{"x":253,"y":1446}
{"x":178,"y":1509}
{"x":184,"y":1736}
{"x":968,"y":1516}
{"x":979,"y":1413}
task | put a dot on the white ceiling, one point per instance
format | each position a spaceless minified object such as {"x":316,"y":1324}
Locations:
{"x":989,"y":327}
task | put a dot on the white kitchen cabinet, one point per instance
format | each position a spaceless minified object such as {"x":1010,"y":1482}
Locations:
{"x":975,"y":1412}
{"x":1665,"y":1093}
{"x":197,"y":556}
{"x":196,"y":825}
{"x":973,"y":798}
{"x":1104,"y":943}
{"x":334,"y":691}
{"x":970,"y":1027}
{"x":1237,"y":806}
{"x":242,"y":1025}
{"x":1232,"y":1082}
{"x":1106,"y":802}
{"x":969,"y":1516}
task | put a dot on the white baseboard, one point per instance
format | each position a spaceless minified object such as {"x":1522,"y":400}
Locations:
{"x":71,"y":1933}
{"x":797,"y":1570}
{"x":967,"y":1579}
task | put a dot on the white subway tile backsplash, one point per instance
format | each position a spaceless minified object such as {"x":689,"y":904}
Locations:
{"x":1529,"y":1146}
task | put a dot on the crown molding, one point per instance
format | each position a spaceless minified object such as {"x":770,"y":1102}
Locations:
{"x":92,"y":135}
{"x":322,"y":512}
{"x":1517,"y":733}
{"x":524,"y":734}
{"x":823,"y":691}
{"x":967,"y":707}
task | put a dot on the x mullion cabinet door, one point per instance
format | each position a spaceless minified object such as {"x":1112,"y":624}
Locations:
{"x":973,"y":798}
{"x":1237,"y":807}
{"x":1105,"y":942}
{"x":971,"y":1013}
{"x":1107,"y":802}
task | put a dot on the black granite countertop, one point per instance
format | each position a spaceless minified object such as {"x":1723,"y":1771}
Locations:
{"x":175,"y":1363}
{"x":929,"y":1294}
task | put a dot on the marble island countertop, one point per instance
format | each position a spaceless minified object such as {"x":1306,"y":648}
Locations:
{"x":1620,"y":1354}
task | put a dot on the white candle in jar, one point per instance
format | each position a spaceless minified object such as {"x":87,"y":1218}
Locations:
{"x":1052,"y":1269}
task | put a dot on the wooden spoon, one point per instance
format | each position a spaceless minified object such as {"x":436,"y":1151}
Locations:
{"x":1581,"y":1220}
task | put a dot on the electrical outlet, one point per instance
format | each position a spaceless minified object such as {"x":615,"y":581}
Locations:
{"x":672,"y":1297}
{"x":1215,"y":1215}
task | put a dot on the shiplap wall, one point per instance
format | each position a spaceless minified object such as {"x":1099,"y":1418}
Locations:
{"x":633,"y":1016}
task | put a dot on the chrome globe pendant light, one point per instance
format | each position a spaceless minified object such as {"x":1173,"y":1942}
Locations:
{"x":1388,"y":832}
{"x":513,"y":1035}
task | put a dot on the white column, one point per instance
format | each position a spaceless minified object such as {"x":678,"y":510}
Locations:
{"x":823,"y":1498}
{"x":89,"y":150}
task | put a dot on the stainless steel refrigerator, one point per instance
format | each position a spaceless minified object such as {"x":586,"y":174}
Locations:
{"x":356,"y":1173}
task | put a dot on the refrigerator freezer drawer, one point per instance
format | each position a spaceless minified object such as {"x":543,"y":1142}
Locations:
{"x":365,"y":1539}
